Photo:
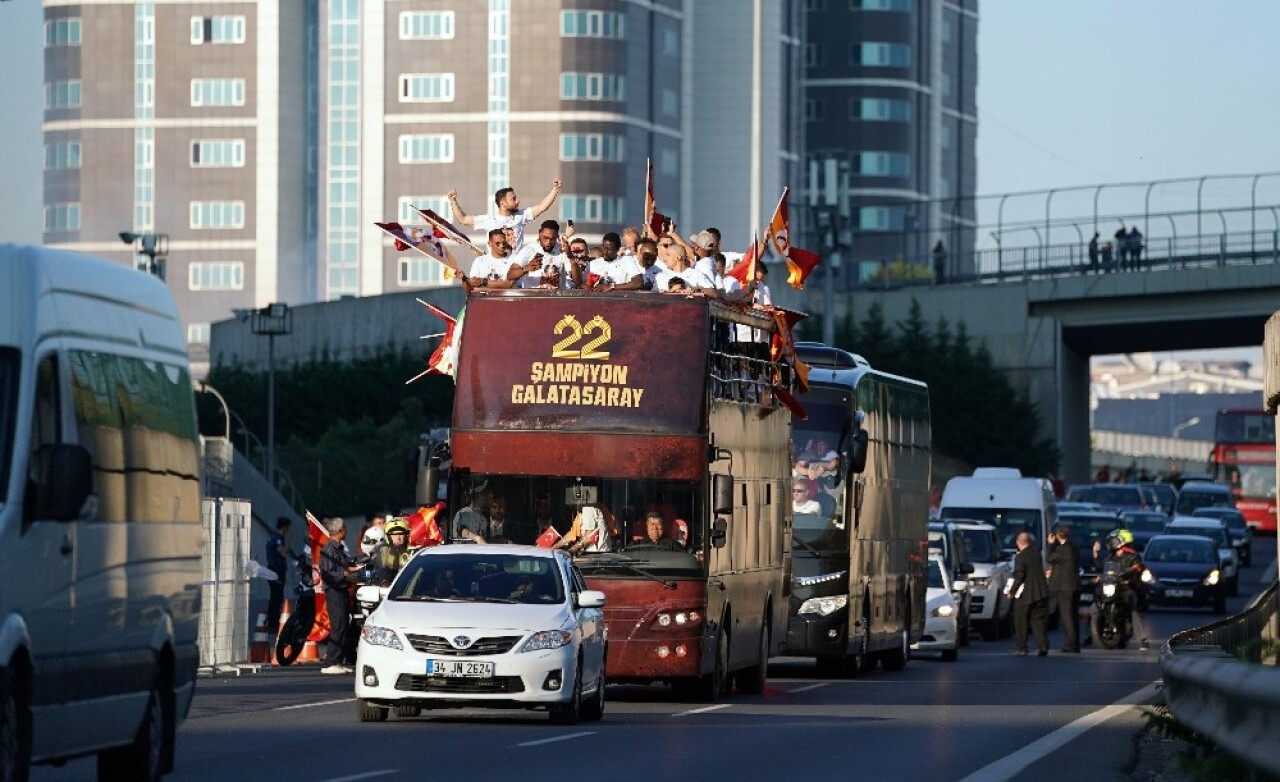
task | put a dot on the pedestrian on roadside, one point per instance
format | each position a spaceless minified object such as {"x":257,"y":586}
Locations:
{"x":337,"y":572}
{"x":278,"y":563}
{"x":1030,"y":592}
{"x":1093,"y":252}
{"x":1064,"y":583}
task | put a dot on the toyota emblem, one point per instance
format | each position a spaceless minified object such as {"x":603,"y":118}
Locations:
{"x":461,"y":642}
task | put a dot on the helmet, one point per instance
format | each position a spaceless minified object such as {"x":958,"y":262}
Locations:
{"x":1119,"y":539}
{"x":397,"y":525}
{"x":1126,"y":537}
{"x":372,"y":537}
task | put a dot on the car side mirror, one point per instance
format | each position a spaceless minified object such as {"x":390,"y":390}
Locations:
{"x":719,"y":533}
{"x":965,"y":567}
{"x":369,"y":593}
{"x":591,"y":598}
{"x":858,"y":453}
{"x":959,"y":586}
{"x":68,"y":483}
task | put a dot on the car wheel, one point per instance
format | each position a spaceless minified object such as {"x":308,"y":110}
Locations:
{"x":15,"y":730}
{"x":570,"y":712}
{"x":593,"y":710}
{"x":712,"y":687}
{"x":751,"y":680}
{"x":408,"y":712}
{"x":964,"y":630}
{"x":145,"y":758}
{"x":950,"y":655}
{"x":369,"y":711}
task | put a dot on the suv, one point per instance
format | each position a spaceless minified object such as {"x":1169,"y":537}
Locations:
{"x":946,"y":541}
{"x":1241,"y":532}
{"x":1202,"y":494}
{"x":988,"y":606}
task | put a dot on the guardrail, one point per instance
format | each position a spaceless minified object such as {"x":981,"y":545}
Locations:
{"x":1222,"y":681}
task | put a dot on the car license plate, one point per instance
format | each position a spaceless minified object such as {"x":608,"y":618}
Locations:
{"x":467,"y":669}
{"x":1180,"y":593}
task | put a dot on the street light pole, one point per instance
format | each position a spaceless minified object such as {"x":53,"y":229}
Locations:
{"x":273,"y":320}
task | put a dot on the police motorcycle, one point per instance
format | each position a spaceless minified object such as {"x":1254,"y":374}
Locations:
{"x":293,"y":636}
{"x":1112,"y":620}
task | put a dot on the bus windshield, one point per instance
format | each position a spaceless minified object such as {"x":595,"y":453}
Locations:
{"x":1244,"y":426}
{"x":1007,"y":521}
{"x":818,"y":446}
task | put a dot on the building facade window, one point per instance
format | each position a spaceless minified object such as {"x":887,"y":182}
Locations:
{"x":217,"y":153}
{"x":892,"y":164}
{"x":61,"y":154}
{"x":62,"y":94}
{"x":62,"y":32}
{"x":669,"y":42}
{"x":197,"y":333}
{"x":217,"y":214}
{"x":874,"y":54}
{"x":215,"y":276}
{"x":812,"y":55}
{"x":669,"y":103}
{"x":668,"y":162}
{"x":62,"y":217}
{"x":217,"y":92}
{"x":217,"y":29}
{"x":426,"y":87}
{"x":592,"y":208}
{"x":812,"y":110}
{"x":426,"y":25}
{"x":608,"y":147}
{"x":880,"y":5}
{"x":420,"y":272}
{"x":880,"y":110}
{"x":881,"y":218}
{"x":426,"y":148}
{"x":592,"y":24}
{"x":593,"y":86}
{"x":406,"y":214}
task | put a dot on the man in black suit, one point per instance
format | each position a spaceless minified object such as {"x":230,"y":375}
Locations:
{"x":1030,"y":591}
{"x":1064,"y":582}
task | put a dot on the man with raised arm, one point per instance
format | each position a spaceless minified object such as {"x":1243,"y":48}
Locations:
{"x":509,"y":215}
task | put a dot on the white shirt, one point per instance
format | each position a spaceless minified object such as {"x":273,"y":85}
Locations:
{"x":651,"y":273}
{"x":747,"y":333}
{"x":515,"y":222}
{"x":622,"y":270}
{"x":708,"y":267}
{"x":808,"y":506}
{"x":693,"y":280}
{"x":490,"y":268}
{"x":555,"y":259}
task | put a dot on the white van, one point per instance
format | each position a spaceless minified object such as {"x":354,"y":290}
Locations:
{"x":1001,"y":497}
{"x":100,"y":532}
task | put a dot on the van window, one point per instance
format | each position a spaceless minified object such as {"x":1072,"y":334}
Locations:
{"x":8,"y":416}
{"x":137,"y":421}
{"x":46,"y":427}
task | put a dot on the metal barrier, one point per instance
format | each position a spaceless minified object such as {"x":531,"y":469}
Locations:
{"x":224,"y":593}
{"x":1216,"y":682}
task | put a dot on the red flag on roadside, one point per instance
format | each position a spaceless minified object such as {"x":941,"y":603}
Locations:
{"x":548,"y":538}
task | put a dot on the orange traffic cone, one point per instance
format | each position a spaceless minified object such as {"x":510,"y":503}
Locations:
{"x":260,"y":645}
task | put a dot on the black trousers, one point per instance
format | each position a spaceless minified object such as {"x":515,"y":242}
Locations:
{"x":1069,"y":617}
{"x":275,"y":603}
{"x":1035,"y":613}
{"x":335,"y":600}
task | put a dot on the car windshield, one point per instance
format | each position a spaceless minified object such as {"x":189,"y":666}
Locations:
{"x":480,"y":577}
{"x":1007,"y":521}
{"x":8,"y":415}
{"x":1234,"y":518}
{"x":1111,"y":496}
{"x":935,"y":575}
{"x":1188,"y":551}
{"x":1086,"y":529}
{"x":980,"y":545}
{"x":1145,"y":522}
{"x":1190,"y":500}
{"x":1215,"y":533}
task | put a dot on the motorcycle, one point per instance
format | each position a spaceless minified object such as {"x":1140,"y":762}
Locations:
{"x":1112,"y":620}
{"x":293,"y":636}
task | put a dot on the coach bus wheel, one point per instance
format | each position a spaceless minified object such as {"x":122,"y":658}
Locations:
{"x":896,"y":659}
{"x":751,"y":680}
{"x":713,"y":685}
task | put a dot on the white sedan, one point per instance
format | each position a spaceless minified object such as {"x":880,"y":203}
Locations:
{"x":941,"y":630}
{"x":484,"y":625}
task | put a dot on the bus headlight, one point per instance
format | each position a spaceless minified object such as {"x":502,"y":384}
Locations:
{"x":824,"y":606}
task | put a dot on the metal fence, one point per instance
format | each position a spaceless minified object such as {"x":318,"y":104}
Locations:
{"x":224,"y":593}
{"x":1222,"y":681}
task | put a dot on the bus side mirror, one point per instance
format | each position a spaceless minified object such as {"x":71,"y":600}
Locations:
{"x":429,"y":483}
{"x":858,"y":454}
{"x":722,"y":492}
{"x":719,"y":534}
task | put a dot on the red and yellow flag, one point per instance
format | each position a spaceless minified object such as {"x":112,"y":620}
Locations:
{"x":800,"y":263}
{"x":744,"y":271}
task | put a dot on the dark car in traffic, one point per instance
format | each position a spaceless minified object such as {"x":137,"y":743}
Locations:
{"x":1086,"y":528}
{"x":1145,"y":525}
{"x":1241,"y":532}
{"x":1114,"y":496}
{"x":1185,"y":571}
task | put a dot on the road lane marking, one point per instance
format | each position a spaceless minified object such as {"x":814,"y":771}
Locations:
{"x":1008,"y":766}
{"x":317,"y":703}
{"x":367,"y":775}
{"x":554,"y":739}
{"x":808,"y":687}
{"x":703,"y":710}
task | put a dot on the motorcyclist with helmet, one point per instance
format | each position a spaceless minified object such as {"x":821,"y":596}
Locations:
{"x":386,"y":560}
{"x":1125,"y":558}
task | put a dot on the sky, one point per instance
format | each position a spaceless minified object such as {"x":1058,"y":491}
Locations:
{"x":1070,"y":92}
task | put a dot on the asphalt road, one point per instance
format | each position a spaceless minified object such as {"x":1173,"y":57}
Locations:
{"x":988,"y":716}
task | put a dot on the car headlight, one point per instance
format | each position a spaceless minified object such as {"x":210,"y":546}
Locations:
{"x":824,"y":605}
{"x":1212,"y":578}
{"x":1108,"y":590}
{"x":547,"y":639}
{"x":1147,"y":577}
{"x":944,"y":610}
{"x":381,"y":636}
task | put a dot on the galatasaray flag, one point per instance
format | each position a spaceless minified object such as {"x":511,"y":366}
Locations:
{"x":317,"y":539}
{"x":800,"y":263}
{"x":744,"y":271}
{"x":424,"y":530}
{"x":426,"y":242}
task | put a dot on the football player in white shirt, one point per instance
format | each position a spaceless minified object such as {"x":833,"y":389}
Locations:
{"x":680,"y":277}
{"x":490,"y":270}
{"x":541,"y":263}
{"x":509,"y":215}
{"x":615,"y":272}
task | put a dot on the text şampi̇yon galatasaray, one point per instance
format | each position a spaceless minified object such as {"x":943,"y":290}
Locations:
{"x":602,"y":385}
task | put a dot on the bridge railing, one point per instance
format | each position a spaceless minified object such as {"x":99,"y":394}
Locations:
{"x":1221,"y":680}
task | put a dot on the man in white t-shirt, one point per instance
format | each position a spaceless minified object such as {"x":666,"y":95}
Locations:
{"x":680,"y":277}
{"x":704,"y":252}
{"x":491,"y":270}
{"x":541,"y":263}
{"x":614,"y":272}
{"x":800,"y":501}
{"x":647,"y":255}
{"x":509,"y":215}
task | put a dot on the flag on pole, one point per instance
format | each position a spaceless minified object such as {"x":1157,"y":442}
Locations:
{"x":652,"y":218}
{"x":800,"y":263}
{"x":426,"y":242}
{"x":548,"y":538}
{"x":744,"y":271}
{"x":424,"y":530}
{"x":447,"y":230}
{"x":317,"y":539}
{"x":444,"y":360}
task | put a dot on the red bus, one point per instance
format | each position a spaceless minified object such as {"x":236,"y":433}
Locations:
{"x":628,"y":403}
{"x":1244,"y":458}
